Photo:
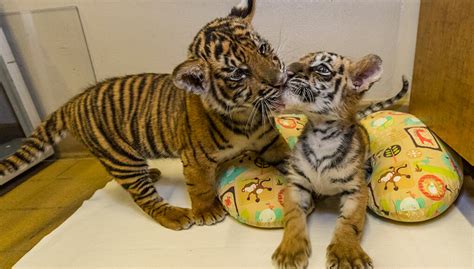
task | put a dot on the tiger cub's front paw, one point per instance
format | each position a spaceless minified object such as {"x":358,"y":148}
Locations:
{"x":174,"y":218}
{"x":209,"y":215}
{"x":292,"y":253}
{"x":347,"y":255}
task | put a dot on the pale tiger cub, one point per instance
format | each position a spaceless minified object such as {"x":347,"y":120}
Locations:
{"x":330,"y":156}
{"x":215,"y":105}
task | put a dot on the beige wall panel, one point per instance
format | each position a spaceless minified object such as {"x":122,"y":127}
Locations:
{"x":132,"y":36}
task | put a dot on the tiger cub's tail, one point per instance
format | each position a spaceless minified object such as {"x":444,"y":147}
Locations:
{"x":50,"y":132}
{"x":384,"y":104}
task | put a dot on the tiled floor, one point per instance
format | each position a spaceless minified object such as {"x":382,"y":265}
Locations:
{"x":43,"y":201}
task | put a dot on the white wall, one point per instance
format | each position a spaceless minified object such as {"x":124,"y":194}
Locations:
{"x":131,"y":36}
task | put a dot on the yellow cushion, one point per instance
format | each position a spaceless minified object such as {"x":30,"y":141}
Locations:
{"x":249,"y":190}
{"x":415,"y":177}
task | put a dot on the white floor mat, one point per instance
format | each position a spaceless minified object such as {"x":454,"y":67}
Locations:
{"x":109,"y":230}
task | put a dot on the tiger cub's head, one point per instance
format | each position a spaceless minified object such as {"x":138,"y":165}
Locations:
{"x":231,"y":66}
{"x":326,"y":83}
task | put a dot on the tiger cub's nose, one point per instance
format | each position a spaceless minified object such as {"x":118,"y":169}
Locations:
{"x":280,"y":79}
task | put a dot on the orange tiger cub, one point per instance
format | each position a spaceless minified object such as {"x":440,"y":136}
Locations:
{"x":214,"y":105}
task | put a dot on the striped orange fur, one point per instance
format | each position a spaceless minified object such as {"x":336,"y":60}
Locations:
{"x":213,"y":106}
{"x":330,"y":155}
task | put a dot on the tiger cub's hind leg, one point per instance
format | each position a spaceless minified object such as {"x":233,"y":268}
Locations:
{"x":138,"y":181}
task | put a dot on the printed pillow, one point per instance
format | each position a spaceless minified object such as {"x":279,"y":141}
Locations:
{"x":414,"y":176}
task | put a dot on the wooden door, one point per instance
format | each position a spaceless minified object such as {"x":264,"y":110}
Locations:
{"x":443,"y":80}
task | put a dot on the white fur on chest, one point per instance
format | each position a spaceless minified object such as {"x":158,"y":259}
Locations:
{"x":315,"y":167}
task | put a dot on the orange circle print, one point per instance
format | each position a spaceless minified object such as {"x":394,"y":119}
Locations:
{"x":287,"y":123}
{"x":432,"y":187}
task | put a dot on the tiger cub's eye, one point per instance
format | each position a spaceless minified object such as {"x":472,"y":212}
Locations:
{"x":321,"y":69}
{"x":264,"y":48}
{"x":238,"y":74}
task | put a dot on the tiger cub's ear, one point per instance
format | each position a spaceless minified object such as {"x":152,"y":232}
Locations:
{"x":366,"y":72}
{"x":245,"y":10}
{"x":192,"y":75}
